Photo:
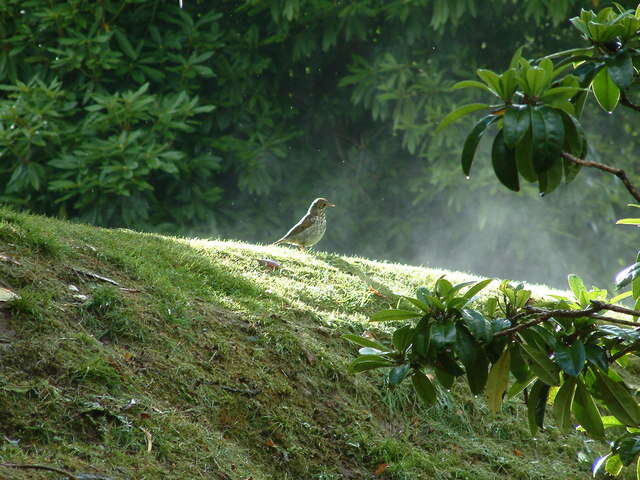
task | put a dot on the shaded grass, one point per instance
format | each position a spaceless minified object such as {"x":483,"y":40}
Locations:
{"x":210,"y":365}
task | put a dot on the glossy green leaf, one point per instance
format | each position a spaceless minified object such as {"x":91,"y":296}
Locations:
{"x":370,"y":351}
{"x":475,"y":289}
{"x":515,"y":59}
{"x":459,"y":113}
{"x":628,"y":449}
{"x":444,"y":377}
{"x":524,"y":158}
{"x":538,"y":337}
{"x":599,"y":463}
{"x":575,"y":139}
{"x":522,"y":296}
{"x":536,"y":81}
{"x":621,"y":296}
{"x":472,"y":141}
{"x":551,"y":179}
{"x":422,"y":339}
{"x":447,"y":363}
{"x":519,"y":367}
{"x":368,"y":362}
{"x":402,"y":337}
{"x":618,"y":400}
{"x":562,"y":404}
{"x":456,"y":303}
{"x":547,"y":136}
{"x":626,"y":276}
{"x":443,"y":287}
{"x":508,"y":85}
{"x":572,"y":358}
{"x":473,"y":84}
{"x":418,"y":303}
{"x":621,"y":70}
{"x":497,"y":381}
{"x":536,"y":404}
{"x":457,"y":287}
{"x":443,"y":334}
{"x":560,"y":93}
{"x":398,"y":374}
{"x":515,"y":124}
{"x":364,"y":342}
{"x":596,"y":355}
{"x":576,"y":284}
{"x":518,"y":387}
{"x":477,"y":324}
{"x":124,"y":43}
{"x":541,"y":365}
{"x":490,"y":78}
{"x":424,"y":388}
{"x":473,"y":358}
{"x":605,"y":90}
{"x":503,"y":160}
{"x":613,"y":465}
{"x":490,"y":306}
{"x":499,"y":324}
{"x":392,"y":315}
{"x":586,"y":413}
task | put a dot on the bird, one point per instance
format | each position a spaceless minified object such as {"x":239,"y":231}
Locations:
{"x":310,"y":229}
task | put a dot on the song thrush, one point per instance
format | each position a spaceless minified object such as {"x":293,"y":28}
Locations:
{"x":310,"y":229}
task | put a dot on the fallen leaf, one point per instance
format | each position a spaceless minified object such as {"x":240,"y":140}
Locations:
{"x":6,"y":258}
{"x":270,"y":264}
{"x":7,"y":295}
{"x":517,"y":453}
{"x":380,"y":469}
{"x":128,"y":356}
{"x":375,"y":292}
{"x":145,"y":415}
{"x":270,"y":443}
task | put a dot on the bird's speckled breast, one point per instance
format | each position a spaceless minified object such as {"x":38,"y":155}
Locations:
{"x":315,"y":232}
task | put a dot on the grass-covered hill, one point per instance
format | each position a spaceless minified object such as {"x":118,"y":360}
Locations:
{"x":203,"y":362}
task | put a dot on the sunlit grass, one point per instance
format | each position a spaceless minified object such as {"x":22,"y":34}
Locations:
{"x":235,"y":369}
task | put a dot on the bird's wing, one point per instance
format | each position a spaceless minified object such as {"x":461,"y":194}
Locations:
{"x":304,"y":223}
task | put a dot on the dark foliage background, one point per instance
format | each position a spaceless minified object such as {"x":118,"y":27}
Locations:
{"x":227,"y":118}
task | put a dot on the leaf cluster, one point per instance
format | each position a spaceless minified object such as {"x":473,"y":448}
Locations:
{"x":557,"y":351}
{"x":540,"y":102}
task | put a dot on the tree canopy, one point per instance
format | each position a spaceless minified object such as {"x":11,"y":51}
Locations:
{"x":228,"y":118}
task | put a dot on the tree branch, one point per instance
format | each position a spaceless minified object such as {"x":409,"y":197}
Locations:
{"x":546,"y":315}
{"x":618,"y":172}
{"x":522,"y":326}
{"x":542,"y":315}
{"x":624,"y":100}
{"x":623,"y":352}
{"x":615,"y":320}
{"x":616,"y":308}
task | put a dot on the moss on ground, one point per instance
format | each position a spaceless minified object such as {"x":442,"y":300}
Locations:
{"x":205,"y":363}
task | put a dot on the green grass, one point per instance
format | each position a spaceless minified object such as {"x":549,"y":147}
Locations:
{"x":205,"y":364}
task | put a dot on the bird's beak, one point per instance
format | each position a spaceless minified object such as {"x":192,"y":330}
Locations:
{"x":330,"y":205}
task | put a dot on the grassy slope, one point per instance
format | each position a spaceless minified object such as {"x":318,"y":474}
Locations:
{"x":225,"y":368}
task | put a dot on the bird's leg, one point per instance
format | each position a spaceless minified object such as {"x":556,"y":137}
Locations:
{"x":301,"y":247}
